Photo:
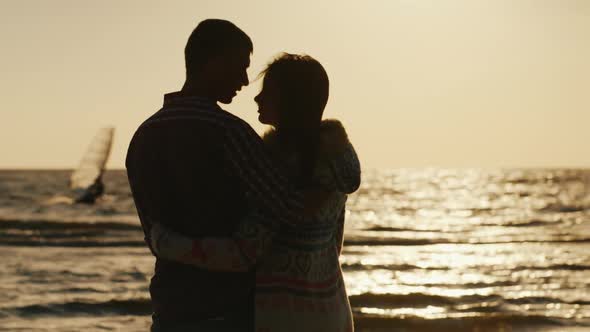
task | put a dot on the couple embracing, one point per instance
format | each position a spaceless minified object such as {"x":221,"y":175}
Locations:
{"x":246,"y":230}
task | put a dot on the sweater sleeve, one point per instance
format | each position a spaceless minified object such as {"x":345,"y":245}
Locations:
{"x":339,"y":233}
{"x":210,"y":253}
{"x":272,"y":200}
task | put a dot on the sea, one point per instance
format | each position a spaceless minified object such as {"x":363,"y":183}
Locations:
{"x":425,"y":250}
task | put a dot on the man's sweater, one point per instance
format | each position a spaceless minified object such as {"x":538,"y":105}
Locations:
{"x":198,"y":169}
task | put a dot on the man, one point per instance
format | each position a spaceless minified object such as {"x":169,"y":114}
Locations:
{"x":198,"y":170}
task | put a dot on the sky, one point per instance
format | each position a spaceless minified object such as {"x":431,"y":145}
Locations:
{"x":417,"y":83}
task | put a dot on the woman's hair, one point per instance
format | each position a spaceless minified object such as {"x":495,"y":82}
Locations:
{"x":303,"y":88}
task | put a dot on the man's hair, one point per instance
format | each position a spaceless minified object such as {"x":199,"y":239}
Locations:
{"x":211,"y":38}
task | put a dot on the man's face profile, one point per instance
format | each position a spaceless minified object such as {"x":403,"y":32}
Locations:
{"x":231,"y":74}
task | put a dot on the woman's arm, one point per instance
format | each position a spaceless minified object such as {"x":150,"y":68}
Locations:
{"x":269,"y":193}
{"x":339,"y":235}
{"x":235,"y":254}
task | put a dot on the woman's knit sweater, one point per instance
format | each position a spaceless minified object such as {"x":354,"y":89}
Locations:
{"x":299,"y":285}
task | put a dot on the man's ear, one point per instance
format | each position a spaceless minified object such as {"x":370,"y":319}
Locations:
{"x":210,"y":66}
{"x":217,"y":62}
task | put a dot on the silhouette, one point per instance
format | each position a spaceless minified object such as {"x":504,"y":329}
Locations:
{"x":301,"y":267}
{"x":200,"y":170}
{"x":86,"y":180}
{"x":90,"y":194}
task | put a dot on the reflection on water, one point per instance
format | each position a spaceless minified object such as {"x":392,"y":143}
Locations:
{"x":425,"y":250}
{"x":450,"y":244}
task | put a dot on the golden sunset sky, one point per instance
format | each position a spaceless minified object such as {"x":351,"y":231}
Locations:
{"x":417,"y":83}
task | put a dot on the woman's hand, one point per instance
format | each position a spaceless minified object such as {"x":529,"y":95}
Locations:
{"x":169,"y":244}
{"x":155,"y":232}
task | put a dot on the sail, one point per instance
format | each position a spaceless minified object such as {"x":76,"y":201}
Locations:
{"x":93,"y":163}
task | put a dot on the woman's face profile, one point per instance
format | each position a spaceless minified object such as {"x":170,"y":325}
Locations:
{"x":268,"y":101}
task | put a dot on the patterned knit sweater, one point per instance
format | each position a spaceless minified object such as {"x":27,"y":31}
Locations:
{"x":299,"y":285}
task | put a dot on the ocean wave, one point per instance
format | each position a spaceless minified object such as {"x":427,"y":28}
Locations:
{"x":532,"y":223}
{"x":524,"y":223}
{"x":462,"y":303}
{"x":401,"y":267}
{"x":104,"y":237}
{"x":141,"y":306}
{"x":467,"y":285}
{"x":370,"y":312}
{"x":457,"y":323}
{"x":81,"y":243}
{"x":372,"y":241}
{"x":554,"y":267}
{"x":63,"y":233}
{"x":398,"y":229}
{"x":544,"y":300}
{"x":81,"y":290}
{"x":415,"y":300}
{"x":563,"y":208}
{"x":39,"y":224}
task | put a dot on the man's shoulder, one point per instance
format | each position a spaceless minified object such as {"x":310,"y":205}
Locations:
{"x":193,"y":115}
{"x":195,"y":122}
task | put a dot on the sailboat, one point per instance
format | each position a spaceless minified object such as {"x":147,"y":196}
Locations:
{"x":86,"y":180}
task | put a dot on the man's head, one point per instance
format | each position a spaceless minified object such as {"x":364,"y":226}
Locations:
{"x":217,"y":55}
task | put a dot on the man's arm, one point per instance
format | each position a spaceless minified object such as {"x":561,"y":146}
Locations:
{"x":210,"y":253}
{"x":272,"y":200}
{"x":219,"y":254}
{"x":136,"y":177}
{"x":270,"y":194}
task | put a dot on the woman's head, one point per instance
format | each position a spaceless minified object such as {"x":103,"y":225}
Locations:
{"x":294,"y":94}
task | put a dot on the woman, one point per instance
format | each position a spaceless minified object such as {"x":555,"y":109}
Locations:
{"x":299,"y":285}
